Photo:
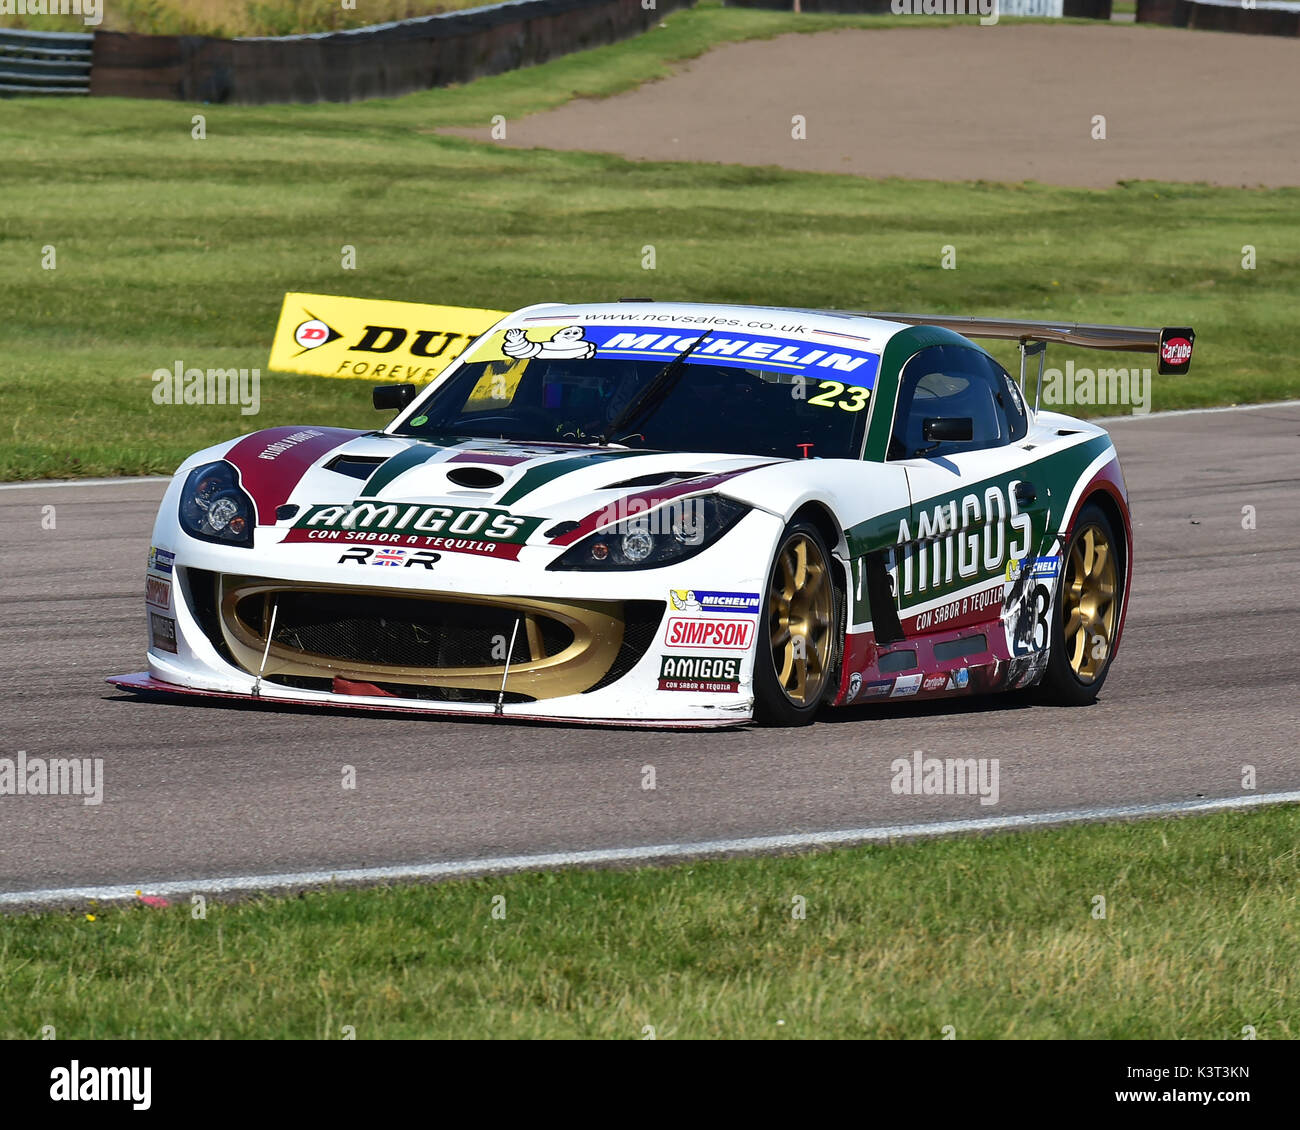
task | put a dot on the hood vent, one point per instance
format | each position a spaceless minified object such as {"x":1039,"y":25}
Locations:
{"x":357,"y":466}
{"x":476,"y":478}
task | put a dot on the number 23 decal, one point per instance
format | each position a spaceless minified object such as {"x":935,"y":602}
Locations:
{"x":1032,"y":630}
{"x":831,"y":389}
{"x":1042,"y":607}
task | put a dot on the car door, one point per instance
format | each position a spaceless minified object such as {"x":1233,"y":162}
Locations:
{"x":959,"y":432}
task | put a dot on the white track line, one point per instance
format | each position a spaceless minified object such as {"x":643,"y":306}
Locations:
{"x":123,"y":482}
{"x":1194,"y":411}
{"x":649,"y":854}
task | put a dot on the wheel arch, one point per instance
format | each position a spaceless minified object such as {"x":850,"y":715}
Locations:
{"x":821,"y":516}
{"x":1107,"y":492}
{"x":1115,"y":514}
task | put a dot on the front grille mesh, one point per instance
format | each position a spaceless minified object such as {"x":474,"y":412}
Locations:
{"x":641,"y":619}
{"x":403,"y":631}
{"x":435,"y":647}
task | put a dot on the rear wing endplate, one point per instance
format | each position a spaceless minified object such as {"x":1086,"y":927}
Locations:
{"x":1172,"y":344}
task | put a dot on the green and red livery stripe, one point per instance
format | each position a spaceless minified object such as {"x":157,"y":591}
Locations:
{"x":539,"y":476}
{"x":383,"y":475}
{"x":646,"y":500}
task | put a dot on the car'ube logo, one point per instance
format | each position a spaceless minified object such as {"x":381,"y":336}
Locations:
{"x":733,"y":635}
{"x":1176,"y":348}
{"x":1176,"y":351}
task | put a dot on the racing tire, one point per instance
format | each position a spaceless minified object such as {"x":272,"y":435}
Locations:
{"x":1085,"y":612}
{"x":801,"y":634}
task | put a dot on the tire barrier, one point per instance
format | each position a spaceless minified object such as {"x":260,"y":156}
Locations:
{"x":44,"y":62}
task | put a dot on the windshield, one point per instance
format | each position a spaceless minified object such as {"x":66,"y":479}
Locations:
{"x":815,"y":405}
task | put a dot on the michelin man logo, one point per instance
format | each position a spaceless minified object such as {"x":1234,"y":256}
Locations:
{"x":685,"y":599}
{"x":566,"y":343}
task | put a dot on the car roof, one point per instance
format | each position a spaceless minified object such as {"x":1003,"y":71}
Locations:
{"x":871,"y":334}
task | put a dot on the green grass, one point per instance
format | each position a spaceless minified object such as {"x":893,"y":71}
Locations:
{"x":994,"y":936}
{"x":173,"y":249}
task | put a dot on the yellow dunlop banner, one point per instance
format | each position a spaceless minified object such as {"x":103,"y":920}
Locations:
{"x":371,"y":339}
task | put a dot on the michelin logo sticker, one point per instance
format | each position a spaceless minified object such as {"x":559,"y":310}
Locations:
{"x":1037,"y":566}
{"x":701,"y":600}
{"x":818,"y":356}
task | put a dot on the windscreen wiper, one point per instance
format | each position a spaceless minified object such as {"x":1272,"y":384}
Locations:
{"x":661,"y":384}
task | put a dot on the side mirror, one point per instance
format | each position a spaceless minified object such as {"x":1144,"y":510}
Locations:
{"x":943,"y":429}
{"x":389,"y":397}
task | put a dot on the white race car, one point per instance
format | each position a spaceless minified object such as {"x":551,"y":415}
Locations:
{"x":645,"y":513}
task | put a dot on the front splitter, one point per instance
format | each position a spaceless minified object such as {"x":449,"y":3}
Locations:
{"x":142,"y":683}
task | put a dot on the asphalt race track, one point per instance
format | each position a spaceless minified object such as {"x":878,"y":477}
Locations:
{"x":1204,"y":684}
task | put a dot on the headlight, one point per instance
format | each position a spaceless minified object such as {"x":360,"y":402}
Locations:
{"x":214,"y":508}
{"x":664,"y":536}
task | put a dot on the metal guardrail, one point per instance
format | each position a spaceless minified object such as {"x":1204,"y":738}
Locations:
{"x":36,"y":63}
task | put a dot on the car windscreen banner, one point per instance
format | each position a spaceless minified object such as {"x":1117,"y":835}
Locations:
{"x":327,"y":335}
{"x":813,"y":354}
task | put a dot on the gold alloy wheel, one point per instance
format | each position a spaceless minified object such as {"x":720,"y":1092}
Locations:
{"x":1088,"y":603}
{"x":800,"y":604}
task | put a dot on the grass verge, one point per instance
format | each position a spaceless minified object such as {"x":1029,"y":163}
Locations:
{"x":995,"y":936}
{"x":169,"y":248}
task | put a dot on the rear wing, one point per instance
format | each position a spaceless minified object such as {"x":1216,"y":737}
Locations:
{"x":1173,"y":344}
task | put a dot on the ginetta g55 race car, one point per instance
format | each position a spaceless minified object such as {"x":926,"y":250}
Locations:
{"x":647,"y":513}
